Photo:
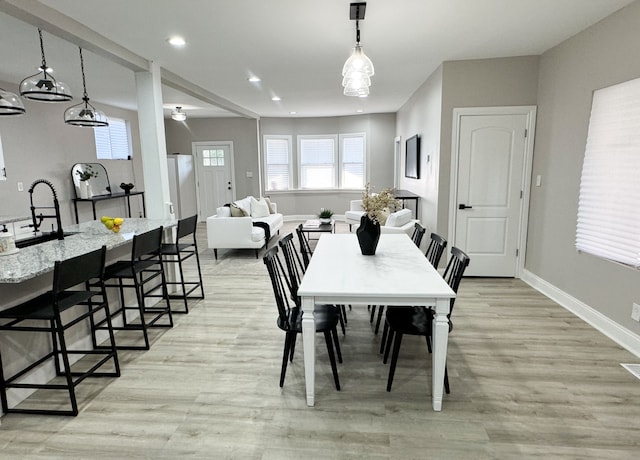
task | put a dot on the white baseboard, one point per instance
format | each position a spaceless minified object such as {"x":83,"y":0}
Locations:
{"x":622,"y":336}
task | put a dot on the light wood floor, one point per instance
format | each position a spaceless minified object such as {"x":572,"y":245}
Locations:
{"x":528,"y":380}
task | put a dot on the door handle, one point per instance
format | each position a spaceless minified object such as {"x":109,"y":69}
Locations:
{"x":464,"y":206}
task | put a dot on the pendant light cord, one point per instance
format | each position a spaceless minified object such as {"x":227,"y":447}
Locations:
{"x":44,"y":62}
{"x":85,"y":96}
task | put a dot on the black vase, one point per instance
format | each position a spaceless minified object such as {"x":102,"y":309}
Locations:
{"x":368,"y":235}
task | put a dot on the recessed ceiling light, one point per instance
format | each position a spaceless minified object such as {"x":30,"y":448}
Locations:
{"x":275,"y":99}
{"x":292,"y":113}
{"x":359,"y":111}
{"x":176,"y":40}
{"x":254,"y":79}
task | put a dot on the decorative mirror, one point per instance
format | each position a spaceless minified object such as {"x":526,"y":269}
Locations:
{"x":90,"y":179}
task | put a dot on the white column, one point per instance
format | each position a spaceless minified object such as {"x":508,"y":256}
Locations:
{"x":152,"y":142}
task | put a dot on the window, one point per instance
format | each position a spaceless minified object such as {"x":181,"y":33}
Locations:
{"x":352,"y":160}
{"x":609,"y":192}
{"x":213,"y":157}
{"x":113,"y":141}
{"x":277,"y":158}
{"x":317,"y":156}
{"x":323,"y":162}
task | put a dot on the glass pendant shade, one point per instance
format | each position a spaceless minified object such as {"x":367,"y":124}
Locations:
{"x":43,"y":86}
{"x":178,"y":114}
{"x":84,"y":114}
{"x":10,"y":104}
{"x":358,"y":61}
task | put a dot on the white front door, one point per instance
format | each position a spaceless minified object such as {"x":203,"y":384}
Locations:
{"x":491,"y":153}
{"x":214,"y":169}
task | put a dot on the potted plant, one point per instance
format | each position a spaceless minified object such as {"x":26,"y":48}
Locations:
{"x":375,"y":205}
{"x":325,"y":215}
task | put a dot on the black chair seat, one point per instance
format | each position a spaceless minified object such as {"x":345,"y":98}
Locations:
{"x":410,"y":320}
{"x":326,"y":319}
{"x":43,"y":307}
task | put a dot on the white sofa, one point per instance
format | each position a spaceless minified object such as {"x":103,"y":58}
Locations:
{"x":250,"y":231}
{"x":398,"y":222}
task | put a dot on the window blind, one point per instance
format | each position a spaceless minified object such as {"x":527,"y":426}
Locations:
{"x":277,"y":154}
{"x":112,"y":142}
{"x":317,"y":162}
{"x":352,"y":165}
{"x":608,"y":223}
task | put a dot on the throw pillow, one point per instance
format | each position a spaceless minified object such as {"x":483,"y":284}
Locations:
{"x":236,"y":211}
{"x":259,"y":208}
{"x":271,"y":211}
{"x":245,"y":205}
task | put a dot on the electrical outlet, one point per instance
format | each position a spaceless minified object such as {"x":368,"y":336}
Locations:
{"x":635,"y":312}
{"x":20,"y":187}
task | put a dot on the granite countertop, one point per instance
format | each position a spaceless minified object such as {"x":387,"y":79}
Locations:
{"x":36,"y":260}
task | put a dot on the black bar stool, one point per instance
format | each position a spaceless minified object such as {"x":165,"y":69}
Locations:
{"x":145,"y":274}
{"x":86,"y":270}
{"x":177,"y":253}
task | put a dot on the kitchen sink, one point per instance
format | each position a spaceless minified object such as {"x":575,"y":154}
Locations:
{"x":43,"y":238}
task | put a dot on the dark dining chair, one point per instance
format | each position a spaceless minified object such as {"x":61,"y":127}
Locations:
{"x":418,"y":233}
{"x":305,"y":247}
{"x":419,"y":320}
{"x":290,"y":317}
{"x":296,"y":271}
{"x":435,"y":249}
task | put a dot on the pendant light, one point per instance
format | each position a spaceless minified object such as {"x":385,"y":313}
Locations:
{"x":178,"y":114}
{"x":84,"y":114}
{"x":10,"y":104}
{"x":358,"y":69}
{"x":43,"y":86}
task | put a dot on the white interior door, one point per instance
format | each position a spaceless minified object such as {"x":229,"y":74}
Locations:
{"x":490,"y":190}
{"x":214,"y":170}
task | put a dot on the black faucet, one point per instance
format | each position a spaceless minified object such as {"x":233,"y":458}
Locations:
{"x":37,"y":219}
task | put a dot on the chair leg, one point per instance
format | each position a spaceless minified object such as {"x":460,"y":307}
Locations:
{"x":341,"y":319}
{"x":394,"y":359}
{"x":183,"y":284}
{"x":446,"y":380}
{"x":388,"y":344}
{"x":293,"y":347}
{"x":373,"y":313}
{"x":385,"y":331}
{"x":380,"y":312}
{"x":215,"y":253}
{"x":343,"y":309}
{"x":285,"y":357}
{"x":332,"y":358}
{"x":336,"y":342}
{"x":428,"y":337}
{"x":67,"y":367}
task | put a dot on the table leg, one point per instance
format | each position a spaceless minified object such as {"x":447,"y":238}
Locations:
{"x":308,"y":338}
{"x":439,"y":356}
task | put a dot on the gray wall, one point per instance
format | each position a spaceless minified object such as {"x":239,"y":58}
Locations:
{"x":603,"y":55}
{"x":379,"y":129}
{"x":241,"y":131}
{"x":38,"y":145}
{"x":429,"y":112}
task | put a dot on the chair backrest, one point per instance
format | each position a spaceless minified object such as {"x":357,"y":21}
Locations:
{"x":455,"y":270}
{"x":280,"y":291}
{"x":187,"y":226}
{"x":418,"y":233}
{"x":147,"y":243}
{"x":79,"y":269}
{"x":435,"y":250}
{"x":294,"y":263}
{"x":305,"y":248}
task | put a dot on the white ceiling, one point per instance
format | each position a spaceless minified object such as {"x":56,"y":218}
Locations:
{"x":297,"y":47}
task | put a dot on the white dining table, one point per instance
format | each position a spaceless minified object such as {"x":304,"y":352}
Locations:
{"x":398,"y":274}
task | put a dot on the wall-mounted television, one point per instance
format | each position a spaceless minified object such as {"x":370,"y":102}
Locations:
{"x":412,"y":158}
